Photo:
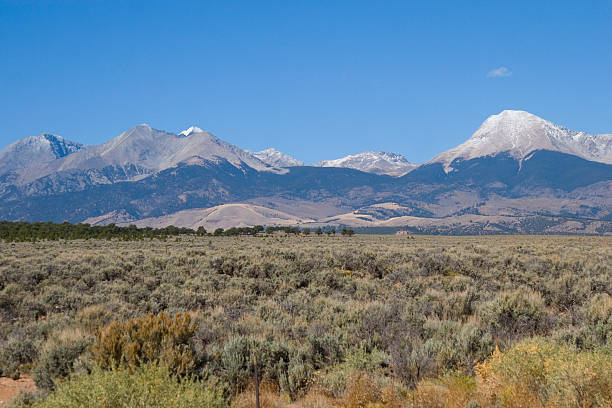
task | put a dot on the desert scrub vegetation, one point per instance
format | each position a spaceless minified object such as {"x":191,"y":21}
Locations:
{"x":149,"y":385}
{"x":539,"y":372}
{"x":342,"y":321}
{"x":153,"y":338}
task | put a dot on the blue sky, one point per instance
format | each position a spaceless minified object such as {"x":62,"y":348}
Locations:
{"x":317,"y":80}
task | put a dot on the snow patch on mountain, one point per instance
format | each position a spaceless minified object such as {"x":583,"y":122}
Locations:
{"x":373,"y":162}
{"x":192,"y":129}
{"x":519,"y":133}
{"x":277,"y":159}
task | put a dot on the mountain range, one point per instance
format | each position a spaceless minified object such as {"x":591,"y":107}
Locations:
{"x":517,"y":173}
{"x":373,"y":162}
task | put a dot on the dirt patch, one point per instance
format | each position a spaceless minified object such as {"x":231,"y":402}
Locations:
{"x":9,"y":388}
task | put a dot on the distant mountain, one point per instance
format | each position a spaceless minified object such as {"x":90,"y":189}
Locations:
{"x":142,"y":151}
{"x":516,"y":173}
{"x":277,"y":159}
{"x":373,"y":162}
{"x":519,"y":133}
{"x":35,"y":150}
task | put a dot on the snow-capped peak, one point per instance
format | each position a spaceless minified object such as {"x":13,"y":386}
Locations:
{"x":38,"y":149}
{"x":277,"y":159}
{"x":373,"y":162}
{"x":192,"y":129}
{"x":519,"y":133}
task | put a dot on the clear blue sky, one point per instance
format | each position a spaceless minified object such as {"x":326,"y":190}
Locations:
{"x":316,"y":79}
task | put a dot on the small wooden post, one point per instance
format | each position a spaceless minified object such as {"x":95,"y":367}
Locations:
{"x":256,"y":382}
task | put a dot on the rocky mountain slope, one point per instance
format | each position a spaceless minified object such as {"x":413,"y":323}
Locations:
{"x":277,"y":159}
{"x":520,"y":133}
{"x":515,"y":168}
{"x":33,"y":150}
{"x":373,"y":162}
{"x":148,"y":151}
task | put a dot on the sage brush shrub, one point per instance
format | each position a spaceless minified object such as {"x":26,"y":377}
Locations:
{"x":516,"y":314}
{"x":14,"y":355}
{"x":455,"y":345}
{"x":149,"y":385}
{"x":58,"y":358}
{"x":153,"y":338}
{"x":414,"y":316}
{"x":277,"y":363}
{"x":412,"y":360}
{"x":543,"y":373}
{"x":598,"y":321}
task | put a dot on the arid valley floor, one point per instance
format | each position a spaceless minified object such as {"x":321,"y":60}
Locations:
{"x":331,"y":321}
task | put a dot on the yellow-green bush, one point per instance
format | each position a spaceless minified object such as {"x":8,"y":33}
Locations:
{"x":598,"y":316}
{"x":541,"y":373}
{"x":150,"y":386}
{"x":450,"y":391}
{"x":357,"y":362}
{"x":153,"y":338}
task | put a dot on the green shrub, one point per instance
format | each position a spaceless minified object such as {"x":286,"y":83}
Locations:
{"x":58,"y":358}
{"x":14,"y":355}
{"x":598,"y":316}
{"x":411,"y":360}
{"x":27,"y":398}
{"x":516,"y":314}
{"x":150,"y":386}
{"x":236,"y":362}
{"x":360,"y":359}
{"x":277,"y":363}
{"x":358,"y":362}
{"x":325,"y":350}
{"x":456,"y":345}
{"x":10,"y":298}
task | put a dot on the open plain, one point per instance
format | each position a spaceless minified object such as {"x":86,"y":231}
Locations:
{"x":331,"y":320}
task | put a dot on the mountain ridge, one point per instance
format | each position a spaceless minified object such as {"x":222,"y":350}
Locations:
{"x":276,"y":158}
{"x":392,"y":164}
{"x":514,"y":131}
{"x":515,"y":165}
{"x":31,"y":150}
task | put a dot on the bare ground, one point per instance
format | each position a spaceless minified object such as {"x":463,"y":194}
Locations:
{"x":9,"y":388}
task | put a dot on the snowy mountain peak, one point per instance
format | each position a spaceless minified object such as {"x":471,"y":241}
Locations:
{"x":192,"y":129}
{"x":42,"y":148}
{"x":277,"y":159}
{"x":373,"y":162}
{"x":512,"y":123}
{"x":514,"y":113}
{"x":150,"y":150}
{"x":519,"y":133}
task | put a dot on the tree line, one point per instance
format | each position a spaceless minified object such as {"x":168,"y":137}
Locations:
{"x":26,"y":231}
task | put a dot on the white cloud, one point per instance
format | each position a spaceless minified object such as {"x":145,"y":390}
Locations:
{"x":499,"y":73}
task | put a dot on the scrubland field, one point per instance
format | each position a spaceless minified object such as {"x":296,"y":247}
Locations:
{"x":329,"y":321}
